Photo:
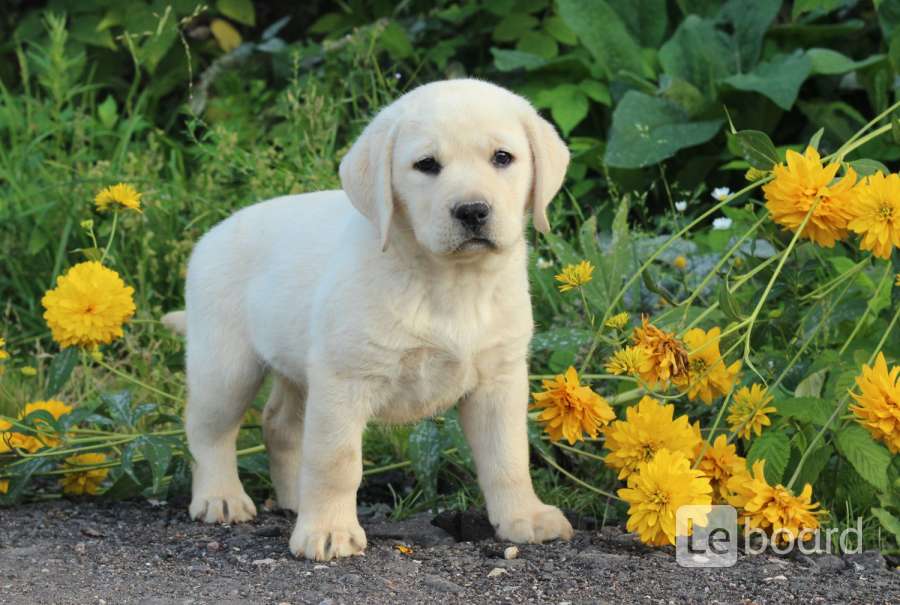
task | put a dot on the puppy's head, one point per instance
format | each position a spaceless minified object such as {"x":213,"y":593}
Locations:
{"x":456,"y":164}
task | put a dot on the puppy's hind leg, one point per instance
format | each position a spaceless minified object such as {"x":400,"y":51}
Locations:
{"x":223,"y":378}
{"x":283,"y":433}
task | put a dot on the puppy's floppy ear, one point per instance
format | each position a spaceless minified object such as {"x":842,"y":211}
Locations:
{"x":550,"y":158}
{"x":366,"y":173}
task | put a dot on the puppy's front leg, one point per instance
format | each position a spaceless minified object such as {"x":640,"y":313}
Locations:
{"x":331,"y":470}
{"x":494,"y":419}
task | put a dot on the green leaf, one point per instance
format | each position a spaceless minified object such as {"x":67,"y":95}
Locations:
{"x":824,"y":61}
{"x":108,"y":112}
{"x":750,"y":20}
{"x":866,"y":167}
{"x":775,"y":448}
{"x":457,"y":438}
{"x":119,"y":406}
{"x":779,"y":79}
{"x":646,"y":20}
{"x":157,"y":451}
{"x":646,"y":130}
{"x":395,"y":41}
{"x":816,"y":138}
{"x":538,"y":43}
{"x":805,"y":409}
{"x":60,"y":370}
{"x":569,"y":106}
{"x":557,"y":28}
{"x":728,"y":304}
{"x":811,"y":386}
{"x":241,"y":11}
{"x":888,"y":521}
{"x":698,"y":53}
{"x":597,"y":91}
{"x":509,"y":60}
{"x":808,"y":6}
{"x":603,"y":33}
{"x":757,"y":148}
{"x":425,"y":454}
{"x":513,"y":26}
{"x":869,"y":458}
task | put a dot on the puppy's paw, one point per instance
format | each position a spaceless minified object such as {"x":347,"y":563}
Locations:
{"x":534,"y":524}
{"x":223,"y":508}
{"x":322,"y":542}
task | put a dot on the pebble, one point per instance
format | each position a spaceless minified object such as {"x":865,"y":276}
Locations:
{"x":778,"y":578}
{"x":213,"y":546}
{"x":511,"y":552}
{"x":440,"y":584}
{"x":264,"y":562}
{"x":497,"y":571}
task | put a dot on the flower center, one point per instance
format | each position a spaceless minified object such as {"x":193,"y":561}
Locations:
{"x":886,"y":213}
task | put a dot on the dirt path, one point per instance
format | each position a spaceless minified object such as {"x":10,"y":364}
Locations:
{"x":134,"y":552}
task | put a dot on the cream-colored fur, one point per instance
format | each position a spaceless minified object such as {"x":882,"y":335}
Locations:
{"x":374,"y":303}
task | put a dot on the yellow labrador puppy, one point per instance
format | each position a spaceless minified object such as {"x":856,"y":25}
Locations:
{"x":392,"y":300}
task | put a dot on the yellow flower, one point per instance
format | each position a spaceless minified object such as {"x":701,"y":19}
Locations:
{"x":28,"y":371}
{"x":648,"y":428}
{"x":122,"y":194}
{"x":667,"y":354}
{"x":4,"y":486}
{"x":748,"y":411}
{"x":3,"y":355}
{"x":878,"y":405}
{"x":897,"y":283}
{"x":876,"y":214}
{"x":707,"y":376}
{"x":774,"y":509}
{"x":720,"y":462}
{"x":632,"y":361}
{"x":5,"y":435}
{"x":80,"y":482}
{"x":88,"y":306}
{"x":680,"y":263}
{"x":32,"y":443}
{"x":570,"y":408}
{"x":575,"y":276}
{"x":657,"y":490}
{"x":803,"y":182}
{"x":620,"y":320}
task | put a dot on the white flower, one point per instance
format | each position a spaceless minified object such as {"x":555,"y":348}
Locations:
{"x":398,"y":75}
{"x":681,"y":206}
{"x":722,"y":223}
{"x":543,"y":263}
{"x":720,"y":193}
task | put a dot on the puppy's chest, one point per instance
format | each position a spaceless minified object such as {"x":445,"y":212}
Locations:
{"x":426,"y":380}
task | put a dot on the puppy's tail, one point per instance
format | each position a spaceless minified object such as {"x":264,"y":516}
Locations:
{"x":176,"y":321}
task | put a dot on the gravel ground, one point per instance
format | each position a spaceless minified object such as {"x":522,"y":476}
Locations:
{"x":138,"y":552}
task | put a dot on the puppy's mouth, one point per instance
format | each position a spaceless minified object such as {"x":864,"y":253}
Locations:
{"x":474,"y":244}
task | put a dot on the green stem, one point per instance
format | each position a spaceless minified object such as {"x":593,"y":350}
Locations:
{"x":137,"y":382}
{"x":112,"y":236}
{"x":575,"y":479}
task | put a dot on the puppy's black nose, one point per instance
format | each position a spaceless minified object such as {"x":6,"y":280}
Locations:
{"x":473,"y":215}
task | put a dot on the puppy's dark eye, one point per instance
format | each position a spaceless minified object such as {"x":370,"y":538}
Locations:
{"x":502,"y":158}
{"x":428,"y":165}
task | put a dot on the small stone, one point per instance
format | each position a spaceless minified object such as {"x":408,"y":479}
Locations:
{"x":778,"y":578}
{"x":511,"y":552}
{"x":497,"y":571}
{"x":91,"y":532}
{"x":319,"y":567}
{"x":440,"y":584}
{"x":264,"y":561}
{"x":213,"y":546}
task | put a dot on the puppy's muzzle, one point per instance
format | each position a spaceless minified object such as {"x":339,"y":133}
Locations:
{"x":472,"y":215}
